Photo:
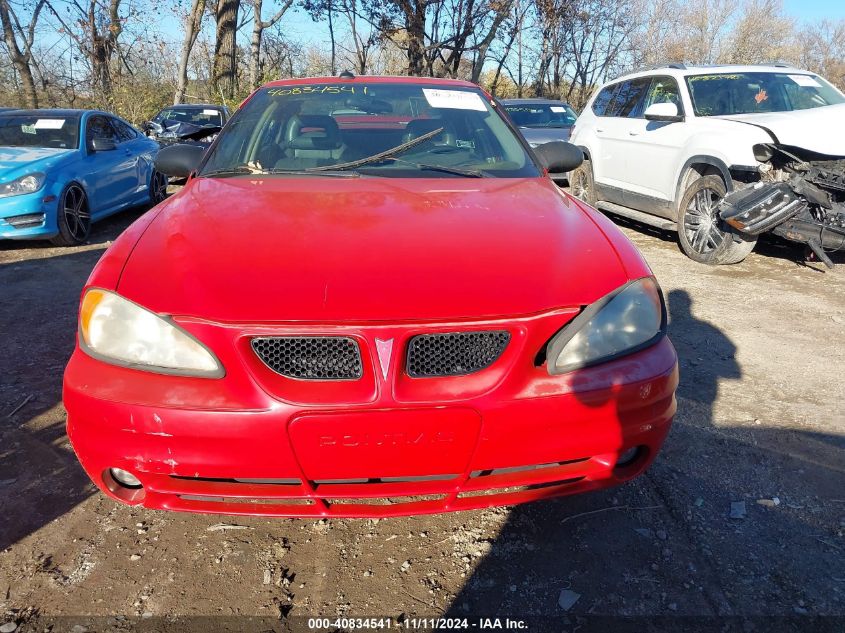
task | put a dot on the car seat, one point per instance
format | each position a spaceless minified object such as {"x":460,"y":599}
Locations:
{"x":418,"y":127}
{"x":311,"y":140}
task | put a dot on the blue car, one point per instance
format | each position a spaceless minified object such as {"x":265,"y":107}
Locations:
{"x":61,"y":170}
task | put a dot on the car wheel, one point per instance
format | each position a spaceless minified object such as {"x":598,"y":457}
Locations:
{"x":158,"y":187}
{"x":704,"y":237}
{"x":581,"y":183}
{"x":74,"y":217}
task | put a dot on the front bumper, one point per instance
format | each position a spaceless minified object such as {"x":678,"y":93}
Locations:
{"x":29,"y":216}
{"x":198,"y":446}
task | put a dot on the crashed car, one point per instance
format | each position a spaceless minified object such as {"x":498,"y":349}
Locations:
{"x":800,"y":194}
{"x":722,"y":154}
{"x":369,"y":299}
{"x":187,"y":123}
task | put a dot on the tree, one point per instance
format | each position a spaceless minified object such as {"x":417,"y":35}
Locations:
{"x":258,"y":27}
{"x":21,"y":54}
{"x":96,"y":36}
{"x":224,"y":78}
{"x":193,"y":25}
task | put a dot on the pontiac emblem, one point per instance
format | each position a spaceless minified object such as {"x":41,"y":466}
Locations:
{"x":384,"y":349}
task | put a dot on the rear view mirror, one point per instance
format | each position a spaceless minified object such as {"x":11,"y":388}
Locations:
{"x":559,"y":157}
{"x":663,"y":112}
{"x":179,"y":161}
{"x":103,"y":145}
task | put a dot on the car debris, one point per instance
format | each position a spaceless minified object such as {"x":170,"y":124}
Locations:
{"x":800,"y":196}
{"x":738,"y":510}
{"x":567,"y":599}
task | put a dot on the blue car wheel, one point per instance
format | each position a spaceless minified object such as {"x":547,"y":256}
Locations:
{"x":158,"y":187}
{"x":74,"y":217}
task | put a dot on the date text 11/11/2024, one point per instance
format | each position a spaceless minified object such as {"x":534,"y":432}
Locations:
{"x":417,"y":624}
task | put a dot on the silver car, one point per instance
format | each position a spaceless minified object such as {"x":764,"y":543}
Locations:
{"x":541,"y":120}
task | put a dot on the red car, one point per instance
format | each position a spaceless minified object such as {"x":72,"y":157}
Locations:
{"x":369,"y":299}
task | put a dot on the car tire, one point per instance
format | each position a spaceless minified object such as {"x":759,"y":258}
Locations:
{"x":158,"y":187}
{"x":703,"y":236}
{"x":581,"y":183}
{"x":73,"y":217}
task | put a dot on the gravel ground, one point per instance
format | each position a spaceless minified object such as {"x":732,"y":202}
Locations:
{"x":760,"y":423}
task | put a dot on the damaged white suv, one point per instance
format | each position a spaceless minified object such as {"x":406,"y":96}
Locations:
{"x":719,"y":153}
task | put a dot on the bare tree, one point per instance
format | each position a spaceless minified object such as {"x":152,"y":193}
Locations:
{"x":193,"y":25}
{"x":224,"y":78}
{"x":20,"y":54}
{"x":258,"y":27}
{"x":761,"y":34}
{"x":97,"y":34}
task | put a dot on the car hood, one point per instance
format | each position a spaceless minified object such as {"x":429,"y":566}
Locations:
{"x":817,"y":129}
{"x":368,"y":249}
{"x":540,"y":135}
{"x":18,"y":161}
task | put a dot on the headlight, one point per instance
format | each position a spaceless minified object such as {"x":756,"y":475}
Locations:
{"x":25,"y":184}
{"x":628,"y":319}
{"x":117,"y":331}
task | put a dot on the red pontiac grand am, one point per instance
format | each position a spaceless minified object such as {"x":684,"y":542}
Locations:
{"x":369,"y":299}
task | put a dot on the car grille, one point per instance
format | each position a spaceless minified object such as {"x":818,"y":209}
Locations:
{"x":311,"y":358}
{"x":454,"y":354}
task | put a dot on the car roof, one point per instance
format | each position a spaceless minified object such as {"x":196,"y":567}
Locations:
{"x":195,"y":106}
{"x":534,"y":100}
{"x":65,"y":112}
{"x":381,"y":79}
{"x":685,"y":70}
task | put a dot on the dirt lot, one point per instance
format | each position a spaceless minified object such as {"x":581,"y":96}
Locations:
{"x":761,"y":419}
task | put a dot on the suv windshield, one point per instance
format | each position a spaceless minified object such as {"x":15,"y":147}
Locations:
{"x":38,"y":130}
{"x":379,"y":129}
{"x":753,"y":93}
{"x":541,"y":114}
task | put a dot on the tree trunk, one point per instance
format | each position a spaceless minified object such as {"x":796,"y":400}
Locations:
{"x":501,"y":15}
{"x":415,"y":28}
{"x":19,"y":59}
{"x":192,"y":28}
{"x":255,"y":44}
{"x":332,"y":38}
{"x":224,"y":79}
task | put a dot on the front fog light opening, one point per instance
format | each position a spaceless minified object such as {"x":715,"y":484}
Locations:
{"x":630,"y":456}
{"x":125,"y":478}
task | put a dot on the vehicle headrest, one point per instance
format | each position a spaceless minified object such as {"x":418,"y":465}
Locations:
{"x":312,"y":131}
{"x":418,"y":127}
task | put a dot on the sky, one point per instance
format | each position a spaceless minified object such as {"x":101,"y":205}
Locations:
{"x":815,"y":9}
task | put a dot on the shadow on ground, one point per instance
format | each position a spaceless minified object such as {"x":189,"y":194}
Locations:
{"x":665,"y":544}
{"x":40,"y":478}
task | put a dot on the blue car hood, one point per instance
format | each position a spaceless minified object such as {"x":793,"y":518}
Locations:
{"x":19,"y":161}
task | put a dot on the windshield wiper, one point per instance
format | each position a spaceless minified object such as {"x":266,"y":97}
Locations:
{"x":377,"y":158}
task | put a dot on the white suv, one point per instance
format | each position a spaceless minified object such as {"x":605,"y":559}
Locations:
{"x":665,"y":146}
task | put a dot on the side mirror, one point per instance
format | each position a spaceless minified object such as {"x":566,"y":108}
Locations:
{"x":179,"y":161}
{"x":103,"y":145}
{"x":663,"y":112}
{"x":559,"y":157}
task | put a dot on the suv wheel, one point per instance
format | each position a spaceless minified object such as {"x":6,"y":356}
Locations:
{"x":702,"y":234}
{"x":581,"y":183}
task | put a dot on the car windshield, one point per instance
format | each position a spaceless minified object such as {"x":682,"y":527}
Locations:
{"x":39,"y":130}
{"x":753,"y":93}
{"x":542,"y":114}
{"x":377,"y":129}
{"x":202,"y":117}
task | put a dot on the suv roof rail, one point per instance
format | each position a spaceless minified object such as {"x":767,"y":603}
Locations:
{"x":780,"y":65}
{"x":673,"y":65}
